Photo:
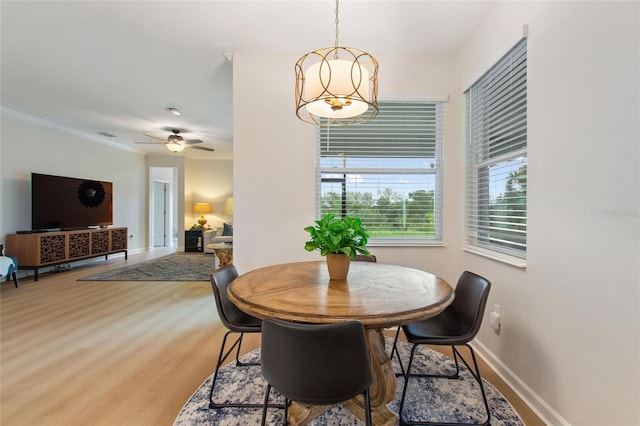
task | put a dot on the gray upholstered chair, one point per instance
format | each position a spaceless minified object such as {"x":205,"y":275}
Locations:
{"x":11,"y":264}
{"x":316,"y":364}
{"x":456,"y":326}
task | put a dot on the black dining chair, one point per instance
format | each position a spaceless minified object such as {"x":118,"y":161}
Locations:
{"x":316,"y":364}
{"x":236,"y":322}
{"x":456,"y":326}
{"x":366,"y":258}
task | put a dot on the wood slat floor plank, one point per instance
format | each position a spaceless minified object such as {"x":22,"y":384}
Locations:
{"x":114,"y":352}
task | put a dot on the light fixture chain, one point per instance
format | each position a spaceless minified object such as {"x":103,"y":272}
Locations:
{"x":335,"y":54}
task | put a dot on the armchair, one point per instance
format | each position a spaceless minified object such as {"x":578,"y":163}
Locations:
{"x":216,"y":236}
{"x":8,"y":266}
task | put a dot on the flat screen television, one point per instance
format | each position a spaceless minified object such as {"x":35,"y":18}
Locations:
{"x":59,"y":202}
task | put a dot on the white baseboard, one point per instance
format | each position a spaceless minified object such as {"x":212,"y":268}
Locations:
{"x":532,"y":399}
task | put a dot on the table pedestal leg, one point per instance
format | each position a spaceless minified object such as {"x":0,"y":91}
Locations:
{"x":301,"y":414}
{"x":225,"y":256}
{"x":382,"y":390}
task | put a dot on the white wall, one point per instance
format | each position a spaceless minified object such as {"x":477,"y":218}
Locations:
{"x":273,"y":173}
{"x":569,"y":342}
{"x":570,"y":320}
{"x":28,"y":147}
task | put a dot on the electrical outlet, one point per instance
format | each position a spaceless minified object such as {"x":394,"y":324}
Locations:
{"x":494,"y":317}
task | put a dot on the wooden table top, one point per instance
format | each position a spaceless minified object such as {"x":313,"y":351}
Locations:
{"x":377,"y":294}
{"x":220,"y":246}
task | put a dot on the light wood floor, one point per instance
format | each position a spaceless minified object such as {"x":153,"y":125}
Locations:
{"x":111,"y":352}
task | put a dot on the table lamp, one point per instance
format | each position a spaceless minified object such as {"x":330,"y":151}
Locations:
{"x":202,"y":209}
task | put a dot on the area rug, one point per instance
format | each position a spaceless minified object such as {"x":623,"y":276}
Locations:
{"x":429,"y":399}
{"x":173,"y":267}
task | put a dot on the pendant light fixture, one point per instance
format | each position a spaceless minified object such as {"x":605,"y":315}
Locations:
{"x":336,"y":85}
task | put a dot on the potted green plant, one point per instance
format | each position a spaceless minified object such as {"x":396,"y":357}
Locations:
{"x":340,"y":240}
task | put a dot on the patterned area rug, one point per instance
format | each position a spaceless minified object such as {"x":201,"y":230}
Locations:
{"x":428,"y":399}
{"x":173,"y":267}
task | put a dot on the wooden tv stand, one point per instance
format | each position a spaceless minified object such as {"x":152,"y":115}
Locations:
{"x":52,"y":248}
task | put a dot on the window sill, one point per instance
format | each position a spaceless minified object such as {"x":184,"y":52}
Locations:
{"x":500,"y":257}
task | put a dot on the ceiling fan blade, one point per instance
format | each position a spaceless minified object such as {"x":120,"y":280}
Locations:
{"x":154,"y":137}
{"x":151,"y":143}
{"x":192,"y":142}
{"x":202,"y":148}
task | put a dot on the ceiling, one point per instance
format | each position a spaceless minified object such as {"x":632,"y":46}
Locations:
{"x":115,"y":67}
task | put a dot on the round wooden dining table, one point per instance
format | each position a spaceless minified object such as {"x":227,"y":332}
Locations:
{"x":377,"y":294}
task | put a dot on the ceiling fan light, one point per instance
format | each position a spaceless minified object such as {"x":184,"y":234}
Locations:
{"x":175,"y":146}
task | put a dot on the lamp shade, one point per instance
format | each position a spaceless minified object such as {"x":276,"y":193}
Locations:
{"x":202,"y":208}
{"x":228,"y":207}
{"x":341,"y":89}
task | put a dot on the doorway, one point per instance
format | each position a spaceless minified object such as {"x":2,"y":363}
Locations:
{"x":161,"y":198}
{"x":163,"y":215}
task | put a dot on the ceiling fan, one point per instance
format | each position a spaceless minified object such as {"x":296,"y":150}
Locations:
{"x":176,"y":143}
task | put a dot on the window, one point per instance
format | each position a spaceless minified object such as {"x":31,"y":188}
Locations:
{"x":497,"y":156}
{"x":387,"y":171}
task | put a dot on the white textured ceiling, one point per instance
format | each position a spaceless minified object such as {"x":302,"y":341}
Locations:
{"x":109,"y":66}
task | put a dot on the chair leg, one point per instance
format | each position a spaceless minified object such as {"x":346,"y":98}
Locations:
{"x":456,"y":354}
{"x":265,"y":405}
{"x":394,"y":349}
{"x":221,"y":358}
{"x":476,"y":375}
{"x":238,"y":362}
{"x":406,"y":384}
{"x":454,"y":375}
{"x":395,"y":340}
{"x":15,"y":279}
{"x":286,"y":411}
{"x":285,"y":406}
{"x":367,"y":407}
{"x":475,"y":372}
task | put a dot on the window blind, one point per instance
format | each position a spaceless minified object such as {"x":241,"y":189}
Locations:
{"x":399,"y":130}
{"x":386,"y":171}
{"x":496,"y":179}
